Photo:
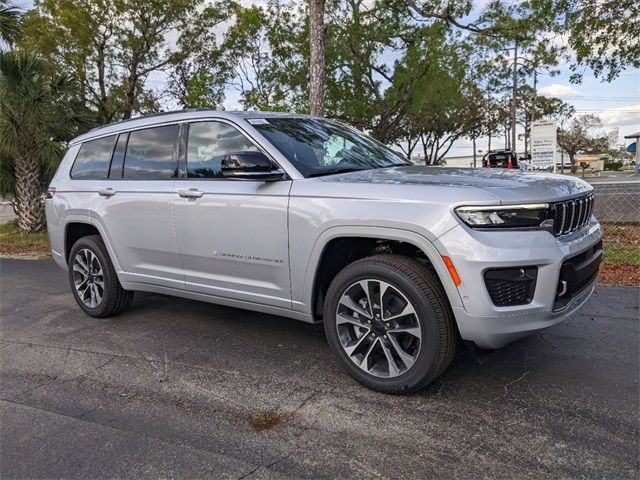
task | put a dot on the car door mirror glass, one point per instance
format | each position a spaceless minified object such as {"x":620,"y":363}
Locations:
{"x":249,"y":166}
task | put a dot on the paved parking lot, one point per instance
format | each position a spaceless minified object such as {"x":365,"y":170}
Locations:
{"x":169,"y":389}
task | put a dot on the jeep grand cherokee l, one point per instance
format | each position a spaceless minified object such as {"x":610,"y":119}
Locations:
{"x":308,"y":218}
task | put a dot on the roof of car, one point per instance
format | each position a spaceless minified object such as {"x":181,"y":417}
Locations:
{"x":174,"y":116}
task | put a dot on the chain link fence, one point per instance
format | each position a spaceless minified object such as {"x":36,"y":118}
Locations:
{"x":617,"y":208}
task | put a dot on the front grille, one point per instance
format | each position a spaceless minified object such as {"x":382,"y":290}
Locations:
{"x":508,"y":287}
{"x":572,"y":215}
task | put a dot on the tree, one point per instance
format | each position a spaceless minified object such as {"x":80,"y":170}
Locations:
{"x":579,"y":138}
{"x":110,"y":46}
{"x":358,"y":76}
{"x":198,"y":72}
{"x":266,"y":47}
{"x":10,"y":31}
{"x":39,"y":110}
{"x":534,"y":107}
{"x":604,"y":35}
{"x":427,"y":91}
{"x":474,"y":115}
{"x":316,"y":57}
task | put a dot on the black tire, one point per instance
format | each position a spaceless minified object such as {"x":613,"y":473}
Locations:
{"x":423,"y":289}
{"x":115,"y":299}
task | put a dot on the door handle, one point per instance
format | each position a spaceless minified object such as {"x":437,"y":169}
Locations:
{"x":191,"y":193}
{"x":106,"y":192}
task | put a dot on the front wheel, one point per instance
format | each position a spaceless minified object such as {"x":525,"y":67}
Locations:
{"x":388,"y":320}
{"x":93,"y":279}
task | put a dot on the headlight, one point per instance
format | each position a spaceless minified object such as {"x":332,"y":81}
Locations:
{"x":505,"y":216}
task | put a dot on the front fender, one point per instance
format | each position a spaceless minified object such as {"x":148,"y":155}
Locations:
{"x":302,"y":284}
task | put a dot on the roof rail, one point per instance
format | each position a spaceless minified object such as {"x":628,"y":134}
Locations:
{"x":185,"y":110}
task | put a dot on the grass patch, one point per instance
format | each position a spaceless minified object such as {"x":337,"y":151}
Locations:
{"x":621,"y":244}
{"x":15,"y":243}
{"x":264,"y":420}
{"x":621,"y":255}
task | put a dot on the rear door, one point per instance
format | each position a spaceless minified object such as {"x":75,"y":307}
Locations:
{"x":232,"y":234}
{"x":134,"y":206}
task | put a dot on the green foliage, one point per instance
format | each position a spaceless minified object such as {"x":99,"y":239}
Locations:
{"x":39,"y":109}
{"x":613,"y":166}
{"x":412,"y":72}
{"x":266,"y":48}
{"x":578,"y":137}
{"x":10,"y":31}
{"x":111,"y":47}
{"x":39,"y":112}
{"x":198,"y":71}
{"x":430,"y":87}
{"x":605,"y":36}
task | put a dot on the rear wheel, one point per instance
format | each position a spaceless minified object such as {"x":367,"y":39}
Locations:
{"x":93,"y":279}
{"x":388,"y":320}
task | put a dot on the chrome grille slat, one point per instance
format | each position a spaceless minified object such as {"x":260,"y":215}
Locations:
{"x":580,"y":212}
{"x":572,"y":207}
{"x":572,"y":215}
{"x":587,"y":210}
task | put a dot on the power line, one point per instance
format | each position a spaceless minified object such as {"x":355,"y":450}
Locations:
{"x":607,"y":110}
{"x":605,"y":99}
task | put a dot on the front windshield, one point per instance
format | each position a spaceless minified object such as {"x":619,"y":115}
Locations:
{"x":321,"y":147}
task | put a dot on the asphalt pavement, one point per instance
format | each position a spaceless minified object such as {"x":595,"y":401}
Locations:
{"x":172,"y":388}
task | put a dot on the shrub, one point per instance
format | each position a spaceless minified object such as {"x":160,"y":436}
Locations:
{"x":614,"y":166}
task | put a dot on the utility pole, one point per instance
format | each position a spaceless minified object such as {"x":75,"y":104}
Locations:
{"x":513,"y":95}
{"x":532,"y":116}
{"x":316,"y":57}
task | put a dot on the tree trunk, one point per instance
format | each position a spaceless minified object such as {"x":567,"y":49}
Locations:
{"x":130,"y":94}
{"x":316,"y":62}
{"x":28,"y":192}
{"x":526,"y":136}
{"x":474,"y":152}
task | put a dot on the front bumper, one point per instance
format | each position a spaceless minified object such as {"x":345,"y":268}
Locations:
{"x":473,"y":252}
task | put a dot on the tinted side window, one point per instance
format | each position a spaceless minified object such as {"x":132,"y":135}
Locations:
{"x":150,"y":154}
{"x":92,"y":162}
{"x":208,"y":143}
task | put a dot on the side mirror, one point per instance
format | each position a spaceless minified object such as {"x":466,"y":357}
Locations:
{"x":250,"y":166}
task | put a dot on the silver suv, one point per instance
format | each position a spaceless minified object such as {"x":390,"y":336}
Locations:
{"x":308,"y":218}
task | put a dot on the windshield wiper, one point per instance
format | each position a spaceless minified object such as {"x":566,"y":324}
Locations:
{"x":334,"y":171}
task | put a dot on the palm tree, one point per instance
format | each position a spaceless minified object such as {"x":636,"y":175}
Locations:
{"x":38,"y":112}
{"x":10,"y":31}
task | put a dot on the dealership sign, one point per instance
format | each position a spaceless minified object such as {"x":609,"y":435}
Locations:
{"x":544,"y":143}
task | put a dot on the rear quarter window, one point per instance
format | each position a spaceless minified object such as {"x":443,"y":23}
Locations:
{"x":150,"y":154}
{"x":93,"y":159}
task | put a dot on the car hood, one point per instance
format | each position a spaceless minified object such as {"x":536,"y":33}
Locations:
{"x":506,"y":185}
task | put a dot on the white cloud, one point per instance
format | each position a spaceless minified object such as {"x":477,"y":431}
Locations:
{"x":560,"y":91}
{"x":620,"y":116}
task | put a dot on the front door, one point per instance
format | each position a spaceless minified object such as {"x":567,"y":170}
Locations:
{"x":232,"y":234}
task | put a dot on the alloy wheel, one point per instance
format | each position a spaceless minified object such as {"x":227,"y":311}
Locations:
{"x":378,"y":328}
{"x":88,"y":278}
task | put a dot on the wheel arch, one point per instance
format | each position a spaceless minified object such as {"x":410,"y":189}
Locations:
{"x":76,"y":228}
{"x":339,"y":246}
